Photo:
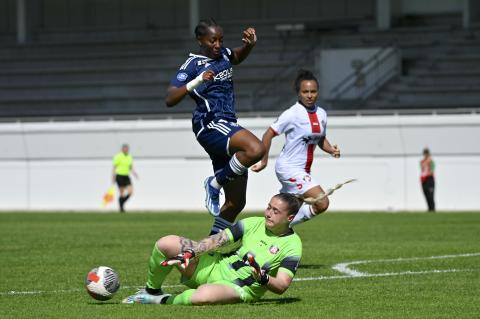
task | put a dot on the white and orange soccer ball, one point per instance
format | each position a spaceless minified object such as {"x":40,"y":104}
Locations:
{"x":102,"y":283}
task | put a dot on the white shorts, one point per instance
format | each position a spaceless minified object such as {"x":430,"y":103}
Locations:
{"x":297,"y":183}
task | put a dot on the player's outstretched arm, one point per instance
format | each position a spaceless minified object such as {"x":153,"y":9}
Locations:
{"x":249,"y":39}
{"x":267,"y":142}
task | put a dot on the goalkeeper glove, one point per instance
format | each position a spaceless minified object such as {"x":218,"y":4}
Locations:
{"x":259,"y":274}
{"x":183,"y":259}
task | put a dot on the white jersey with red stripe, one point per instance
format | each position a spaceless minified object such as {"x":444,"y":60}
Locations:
{"x":303,"y":129}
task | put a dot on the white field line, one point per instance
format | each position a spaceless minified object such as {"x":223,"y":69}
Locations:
{"x":345,"y":269}
{"x":342,"y":267}
{"x":39,"y":292}
{"x":387,"y":274}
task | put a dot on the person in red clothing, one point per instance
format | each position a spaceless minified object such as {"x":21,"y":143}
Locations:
{"x":427,"y":178}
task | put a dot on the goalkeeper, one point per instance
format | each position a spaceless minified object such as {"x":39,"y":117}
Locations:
{"x":266,"y":256}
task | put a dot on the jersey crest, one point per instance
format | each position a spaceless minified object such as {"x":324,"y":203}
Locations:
{"x":274,"y":249}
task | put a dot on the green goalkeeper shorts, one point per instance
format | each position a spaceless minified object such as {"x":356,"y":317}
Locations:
{"x":213,"y":269}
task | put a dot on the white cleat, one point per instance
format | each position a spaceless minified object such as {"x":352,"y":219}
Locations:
{"x":145,"y":298}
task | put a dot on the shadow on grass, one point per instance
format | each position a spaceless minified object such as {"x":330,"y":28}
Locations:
{"x":307,"y":266}
{"x":103,"y":303}
{"x":275,"y":301}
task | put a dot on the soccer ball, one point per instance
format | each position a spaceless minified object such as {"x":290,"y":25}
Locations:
{"x":102,"y":283}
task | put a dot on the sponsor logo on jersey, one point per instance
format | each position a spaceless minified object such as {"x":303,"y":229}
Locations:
{"x":273,"y":249}
{"x":310,"y":139}
{"x":201,"y":62}
{"x":307,"y":178}
{"x":182,"y":76}
{"x":224,"y":75}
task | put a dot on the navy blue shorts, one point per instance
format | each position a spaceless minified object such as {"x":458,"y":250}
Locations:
{"x":214,"y":137}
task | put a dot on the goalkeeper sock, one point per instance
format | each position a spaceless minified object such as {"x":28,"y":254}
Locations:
{"x":185,"y":298}
{"x":157,"y":272}
{"x":304,"y":213}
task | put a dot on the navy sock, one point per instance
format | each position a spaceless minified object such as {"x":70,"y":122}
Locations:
{"x":233,"y":169}
{"x":219,"y":224}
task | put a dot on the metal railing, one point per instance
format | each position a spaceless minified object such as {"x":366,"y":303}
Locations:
{"x":264,"y":91}
{"x":368,"y":77}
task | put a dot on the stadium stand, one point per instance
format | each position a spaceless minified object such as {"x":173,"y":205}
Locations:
{"x":126,"y":72}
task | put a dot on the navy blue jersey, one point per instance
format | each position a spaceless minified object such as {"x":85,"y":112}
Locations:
{"x":215,"y":99}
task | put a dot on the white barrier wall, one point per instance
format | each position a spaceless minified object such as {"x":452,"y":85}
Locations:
{"x":67,"y":166}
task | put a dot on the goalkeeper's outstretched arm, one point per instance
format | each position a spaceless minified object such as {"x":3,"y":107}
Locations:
{"x":205,"y":245}
{"x":188,"y":249}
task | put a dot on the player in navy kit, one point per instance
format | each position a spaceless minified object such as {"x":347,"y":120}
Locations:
{"x":207,"y":78}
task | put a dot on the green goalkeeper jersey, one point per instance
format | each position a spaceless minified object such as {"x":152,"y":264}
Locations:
{"x":273,"y":253}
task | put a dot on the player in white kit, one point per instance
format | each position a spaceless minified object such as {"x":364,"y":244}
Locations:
{"x":305,"y":126}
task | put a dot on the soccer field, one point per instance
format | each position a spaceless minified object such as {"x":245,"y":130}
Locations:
{"x":354,"y":265}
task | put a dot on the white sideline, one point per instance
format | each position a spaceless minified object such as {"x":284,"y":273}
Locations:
{"x":341,"y":267}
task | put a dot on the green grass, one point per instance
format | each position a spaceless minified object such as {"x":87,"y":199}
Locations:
{"x":49,"y":255}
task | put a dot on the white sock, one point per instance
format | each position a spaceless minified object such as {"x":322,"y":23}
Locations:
{"x":236,"y":166}
{"x":214,"y":183}
{"x":304,"y":213}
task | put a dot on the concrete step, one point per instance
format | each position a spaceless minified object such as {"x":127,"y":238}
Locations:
{"x":83,"y":76}
{"x":85,"y":67}
{"x":435,"y":81}
{"x":406,"y":105}
{"x":123,"y":106}
{"x":405,"y":86}
{"x":422,"y":72}
{"x":81,"y":93}
{"x":459,"y":97}
{"x":133,"y":105}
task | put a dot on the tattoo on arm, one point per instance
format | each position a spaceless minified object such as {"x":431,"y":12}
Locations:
{"x":187,"y":244}
{"x":205,"y":245}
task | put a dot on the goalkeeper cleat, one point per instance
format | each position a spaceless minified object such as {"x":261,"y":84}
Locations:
{"x":150,"y":291}
{"x":212,"y":197}
{"x":145,"y":298}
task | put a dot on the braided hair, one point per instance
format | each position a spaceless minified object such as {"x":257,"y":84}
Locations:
{"x":202,"y":27}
